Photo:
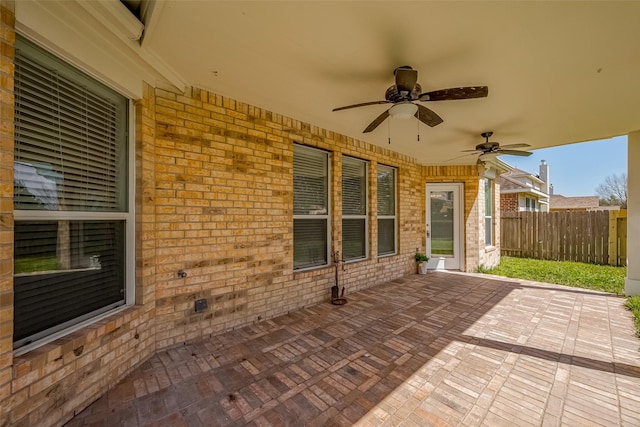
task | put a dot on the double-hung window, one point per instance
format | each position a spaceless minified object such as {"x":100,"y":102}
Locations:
{"x":530,"y":204}
{"x":310,"y":207}
{"x":354,"y":209}
{"x":386,"y":210}
{"x":71,"y":198}
{"x":488,"y":212}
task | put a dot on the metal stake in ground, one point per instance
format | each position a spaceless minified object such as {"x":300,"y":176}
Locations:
{"x":335,"y":289}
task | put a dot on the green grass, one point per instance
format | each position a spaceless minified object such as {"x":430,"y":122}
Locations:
{"x":603,"y":278}
{"x":633,"y":304}
{"x":33,"y":264}
{"x":441,"y":246}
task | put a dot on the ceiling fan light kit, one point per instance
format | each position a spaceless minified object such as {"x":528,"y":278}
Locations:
{"x":403,"y":111}
{"x":407,"y":90}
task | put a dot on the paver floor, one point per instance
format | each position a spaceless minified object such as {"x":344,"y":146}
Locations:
{"x":444,"y":349}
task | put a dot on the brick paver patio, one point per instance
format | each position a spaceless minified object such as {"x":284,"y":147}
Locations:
{"x":445,"y":349}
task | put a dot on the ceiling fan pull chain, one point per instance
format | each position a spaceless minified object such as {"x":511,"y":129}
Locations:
{"x":418,"y":130}
{"x":389,"y":130}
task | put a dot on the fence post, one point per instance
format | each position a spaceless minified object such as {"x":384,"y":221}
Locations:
{"x":613,"y":238}
{"x":621,"y":238}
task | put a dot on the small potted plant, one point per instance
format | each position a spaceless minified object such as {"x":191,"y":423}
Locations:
{"x":421,"y":259}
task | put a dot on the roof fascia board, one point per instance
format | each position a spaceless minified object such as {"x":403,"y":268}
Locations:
{"x":68,"y":30}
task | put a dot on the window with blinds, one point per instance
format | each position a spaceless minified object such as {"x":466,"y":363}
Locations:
{"x":488,"y":212}
{"x":70,"y":137}
{"x":70,"y":195}
{"x":386,"y":210}
{"x":354,"y":209}
{"x":310,"y":207}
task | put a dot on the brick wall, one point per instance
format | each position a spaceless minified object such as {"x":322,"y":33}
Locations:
{"x":223,"y":212}
{"x":509,"y":202}
{"x":7,"y":37}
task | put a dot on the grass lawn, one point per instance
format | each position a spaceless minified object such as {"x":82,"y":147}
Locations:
{"x":441,"y":246}
{"x":633,"y":304}
{"x":577,"y":274}
{"x":33,"y":264}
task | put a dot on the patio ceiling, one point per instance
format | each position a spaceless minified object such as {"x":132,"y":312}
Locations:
{"x":557,"y":72}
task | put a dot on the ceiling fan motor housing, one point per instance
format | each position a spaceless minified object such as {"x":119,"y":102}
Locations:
{"x":488,"y":147}
{"x":394,"y":95}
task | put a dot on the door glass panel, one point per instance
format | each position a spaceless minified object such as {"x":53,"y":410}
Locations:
{"x":441,"y":222}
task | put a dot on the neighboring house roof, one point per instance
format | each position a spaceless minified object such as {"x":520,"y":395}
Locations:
{"x":606,"y":208}
{"x":508,"y":183}
{"x":511,"y":182}
{"x":559,"y":201}
{"x":517,"y":173}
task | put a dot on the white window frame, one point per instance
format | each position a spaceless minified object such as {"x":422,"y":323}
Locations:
{"x":488,"y":232}
{"x":530,"y":204}
{"x":128,"y":217}
{"x":364,"y":217}
{"x":394,"y":217}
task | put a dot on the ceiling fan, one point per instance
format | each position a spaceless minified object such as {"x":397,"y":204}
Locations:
{"x":490,"y":149}
{"x":406,"y":90}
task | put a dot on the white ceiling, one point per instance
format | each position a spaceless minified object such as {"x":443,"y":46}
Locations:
{"x":557,"y":72}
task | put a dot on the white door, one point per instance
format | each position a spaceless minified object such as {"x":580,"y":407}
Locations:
{"x":444,"y":226}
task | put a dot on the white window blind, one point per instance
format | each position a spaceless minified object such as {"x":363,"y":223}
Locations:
{"x":310,"y":207}
{"x":386,"y":210}
{"x":354,"y":208}
{"x":70,"y":138}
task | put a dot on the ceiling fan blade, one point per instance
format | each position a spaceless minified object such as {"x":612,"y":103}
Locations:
{"x":514,"y":153}
{"x":374,"y":124}
{"x":459,"y":157}
{"x":427,"y":116}
{"x":364,"y":104}
{"x":455,"y":93}
{"x":406,"y":78}
{"x":488,"y":156}
{"x":515,"y":146}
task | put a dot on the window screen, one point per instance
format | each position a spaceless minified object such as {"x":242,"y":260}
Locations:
{"x":310,"y":207}
{"x":386,"y":210}
{"x":354,"y":208}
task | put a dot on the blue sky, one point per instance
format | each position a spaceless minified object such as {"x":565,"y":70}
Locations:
{"x":577,"y":169}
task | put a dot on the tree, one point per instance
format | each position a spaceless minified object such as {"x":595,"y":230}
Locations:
{"x":613,"y":191}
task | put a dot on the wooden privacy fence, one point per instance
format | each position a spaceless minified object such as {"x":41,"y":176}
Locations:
{"x":598,"y":237}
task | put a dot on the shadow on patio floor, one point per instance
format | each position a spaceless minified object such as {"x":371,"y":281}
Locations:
{"x":440,"y":349}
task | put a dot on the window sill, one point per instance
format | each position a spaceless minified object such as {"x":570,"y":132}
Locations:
{"x":489,"y":249}
{"x":312,"y":270}
{"x":89,"y":329}
{"x":40,"y":273}
{"x":353,"y":261}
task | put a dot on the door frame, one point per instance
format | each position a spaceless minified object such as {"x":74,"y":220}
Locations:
{"x":447,"y":262}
